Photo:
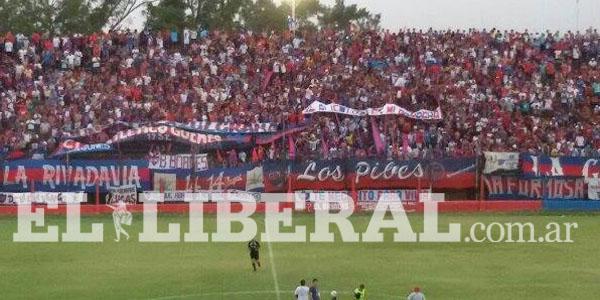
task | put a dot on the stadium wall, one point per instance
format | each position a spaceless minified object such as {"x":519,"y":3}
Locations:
{"x":572,"y":205}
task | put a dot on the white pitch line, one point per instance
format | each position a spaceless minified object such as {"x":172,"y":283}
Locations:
{"x":272,"y":263}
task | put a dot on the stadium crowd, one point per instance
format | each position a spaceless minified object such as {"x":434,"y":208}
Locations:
{"x":498,"y":90}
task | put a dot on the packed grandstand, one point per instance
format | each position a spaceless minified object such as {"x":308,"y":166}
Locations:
{"x":527,"y":92}
{"x":488,"y":127}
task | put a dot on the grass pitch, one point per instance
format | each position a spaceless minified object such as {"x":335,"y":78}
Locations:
{"x":134,"y":270}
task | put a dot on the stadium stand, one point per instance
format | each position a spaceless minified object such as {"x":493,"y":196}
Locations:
{"x":536,"y":93}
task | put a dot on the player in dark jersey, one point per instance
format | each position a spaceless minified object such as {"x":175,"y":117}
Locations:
{"x":254,"y":248}
{"x":314,"y":290}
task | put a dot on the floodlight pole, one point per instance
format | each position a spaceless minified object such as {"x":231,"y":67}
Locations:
{"x":577,"y":14}
{"x":294,"y":10}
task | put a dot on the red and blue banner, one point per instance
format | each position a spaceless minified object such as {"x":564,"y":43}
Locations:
{"x":369,"y":174}
{"x":72,"y":147}
{"x":73,"y":176}
{"x":166,"y":133}
{"x":523,"y":188}
{"x":336,"y":174}
{"x":274,"y":176}
{"x":215,"y":179}
{"x":456,"y":173}
{"x":541,"y":177}
{"x":564,"y":166}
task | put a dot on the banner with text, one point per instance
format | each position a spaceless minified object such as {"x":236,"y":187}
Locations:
{"x":178,"y":161}
{"x":369,"y":174}
{"x":126,"y":194}
{"x":388,"y":109}
{"x":222,"y":128}
{"x":165,"y":133}
{"x":72,"y":147}
{"x":546,"y":166}
{"x":42,"y":198}
{"x":245,"y":178}
{"x":517,"y":188}
{"x":74,"y":176}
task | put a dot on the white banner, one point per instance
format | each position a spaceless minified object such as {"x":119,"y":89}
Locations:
{"x":201,"y":196}
{"x":164,"y":182}
{"x":501,"y":161}
{"x":403,"y":195}
{"x":364,"y":196}
{"x":125,"y":193}
{"x":254,"y":179}
{"x":42,"y":198}
{"x":179,"y":161}
{"x":172,"y":196}
{"x":217,"y":127}
{"x":367,"y":199}
{"x":388,"y":109}
{"x":593,"y":189}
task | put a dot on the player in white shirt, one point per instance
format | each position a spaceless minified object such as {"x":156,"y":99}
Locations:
{"x":416,"y":295}
{"x":301,"y":292}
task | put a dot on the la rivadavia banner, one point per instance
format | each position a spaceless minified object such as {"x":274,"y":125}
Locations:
{"x":76,"y":175}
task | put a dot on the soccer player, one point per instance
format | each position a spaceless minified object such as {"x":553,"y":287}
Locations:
{"x":254,"y":247}
{"x":314,"y":290}
{"x":302,"y":290}
{"x":333,"y":295}
{"x":416,"y":294}
{"x":360,"y":293}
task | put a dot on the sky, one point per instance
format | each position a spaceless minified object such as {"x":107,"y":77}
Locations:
{"x":534,"y":15}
